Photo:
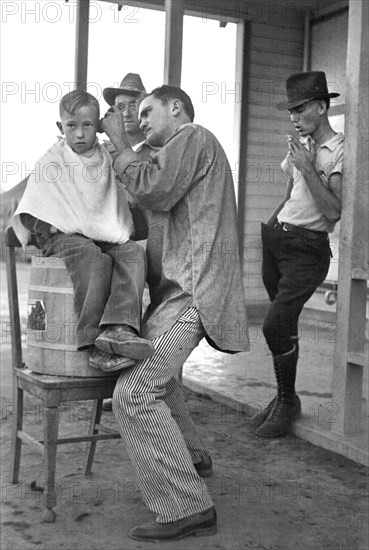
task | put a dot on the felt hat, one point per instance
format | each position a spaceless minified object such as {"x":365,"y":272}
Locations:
{"x":130,"y":85}
{"x":303,"y":87}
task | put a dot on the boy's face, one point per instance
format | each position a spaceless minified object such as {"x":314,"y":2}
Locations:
{"x":80,"y":129}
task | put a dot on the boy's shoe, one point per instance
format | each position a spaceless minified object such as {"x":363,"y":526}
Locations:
{"x":108,"y":362}
{"x":202,"y":524}
{"x":122,"y":340}
{"x":205,"y":467}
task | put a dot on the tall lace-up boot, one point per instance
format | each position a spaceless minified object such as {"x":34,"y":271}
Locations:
{"x":259,"y":418}
{"x":287,"y":406}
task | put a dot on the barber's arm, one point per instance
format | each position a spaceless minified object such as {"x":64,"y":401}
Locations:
{"x":327,"y":195}
{"x":162,"y":182}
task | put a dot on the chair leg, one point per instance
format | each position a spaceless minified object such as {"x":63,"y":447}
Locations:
{"x":91,"y":446}
{"x":51,"y":430}
{"x":17,"y":425}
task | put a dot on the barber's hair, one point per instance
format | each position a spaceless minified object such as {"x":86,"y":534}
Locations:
{"x":165,"y":93}
{"x":76,"y":99}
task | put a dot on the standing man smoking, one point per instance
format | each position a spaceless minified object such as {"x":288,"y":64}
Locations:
{"x":296,"y":251}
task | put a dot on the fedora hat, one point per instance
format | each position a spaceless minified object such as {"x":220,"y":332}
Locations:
{"x":130,"y":85}
{"x":303,"y":87}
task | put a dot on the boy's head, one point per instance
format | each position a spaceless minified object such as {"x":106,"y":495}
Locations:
{"x":79,"y":115}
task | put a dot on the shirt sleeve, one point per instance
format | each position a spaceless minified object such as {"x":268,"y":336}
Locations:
{"x":336,"y":165}
{"x":161,"y":182}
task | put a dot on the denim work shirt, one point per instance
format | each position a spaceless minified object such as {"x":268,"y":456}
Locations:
{"x":187,"y":192}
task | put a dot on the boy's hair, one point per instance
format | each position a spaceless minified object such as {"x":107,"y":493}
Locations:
{"x":72,"y":101}
{"x":165,"y":93}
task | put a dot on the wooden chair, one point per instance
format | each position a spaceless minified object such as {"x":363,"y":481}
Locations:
{"x":53,"y":391}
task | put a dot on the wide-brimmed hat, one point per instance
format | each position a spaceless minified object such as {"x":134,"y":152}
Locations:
{"x":130,"y":85}
{"x":303,"y":87}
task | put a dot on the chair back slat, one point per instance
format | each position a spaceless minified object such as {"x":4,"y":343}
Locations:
{"x":12,"y":242}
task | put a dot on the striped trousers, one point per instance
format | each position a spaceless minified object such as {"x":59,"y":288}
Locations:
{"x":155,"y":423}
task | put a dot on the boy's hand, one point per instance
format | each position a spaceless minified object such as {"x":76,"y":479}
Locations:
{"x":113,"y":126}
{"x":299,"y":155}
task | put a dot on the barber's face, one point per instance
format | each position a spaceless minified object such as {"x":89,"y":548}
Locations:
{"x":156,"y":120}
{"x":128,"y":106}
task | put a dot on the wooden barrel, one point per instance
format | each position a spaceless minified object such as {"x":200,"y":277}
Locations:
{"x":52,"y":322}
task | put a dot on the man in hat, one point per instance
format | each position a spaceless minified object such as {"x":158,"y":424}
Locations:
{"x":296,"y":252}
{"x":196,"y":291}
{"x":127,"y":98}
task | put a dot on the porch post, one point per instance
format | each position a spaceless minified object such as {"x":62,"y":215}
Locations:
{"x":241,"y":121}
{"x":350,"y":358}
{"x":81,"y":56}
{"x":174,"y":10}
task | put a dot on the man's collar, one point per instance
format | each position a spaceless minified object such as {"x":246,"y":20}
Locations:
{"x":138,"y":146}
{"x":330,"y":144}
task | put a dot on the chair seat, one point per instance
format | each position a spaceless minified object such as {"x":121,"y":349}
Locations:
{"x":48,"y":381}
{"x":54,"y":390}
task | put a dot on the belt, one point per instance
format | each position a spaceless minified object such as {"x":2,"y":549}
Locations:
{"x":310,"y":233}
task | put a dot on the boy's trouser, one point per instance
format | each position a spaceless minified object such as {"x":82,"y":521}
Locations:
{"x":108,"y":281}
{"x":293,"y":267}
{"x":154,"y":421}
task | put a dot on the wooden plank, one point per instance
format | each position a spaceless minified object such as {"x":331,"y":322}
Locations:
{"x":261,"y":149}
{"x":271,"y":57}
{"x":173,"y":42}
{"x":266,"y":71}
{"x":81,"y":56}
{"x":291,"y":33}
{"x":238,"y":106}
{"x":353,"y":252}
{"x":277,"y":45}
{"x":243,"y":63}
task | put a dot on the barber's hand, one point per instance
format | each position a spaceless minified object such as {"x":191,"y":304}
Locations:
{"x":298,"y":154}
{"x":113,"y":126}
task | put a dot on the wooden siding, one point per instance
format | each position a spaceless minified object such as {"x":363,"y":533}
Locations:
{"x":276,"y":51}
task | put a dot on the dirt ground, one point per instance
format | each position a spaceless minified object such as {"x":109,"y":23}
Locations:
{"x":283,"y":494}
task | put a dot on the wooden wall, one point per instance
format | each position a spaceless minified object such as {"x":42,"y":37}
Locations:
{"x":275,"y":51}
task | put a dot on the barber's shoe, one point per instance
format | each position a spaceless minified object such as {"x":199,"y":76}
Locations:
{"x":205,"y":467}
{"x":108,"y":362}
{"x":201,"y":525}
{"x":259,"y":418}
{"x":122,"y":340}
{"x":283,"y":413}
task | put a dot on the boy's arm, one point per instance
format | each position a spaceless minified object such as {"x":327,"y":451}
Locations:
{"x":42,"y":230}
